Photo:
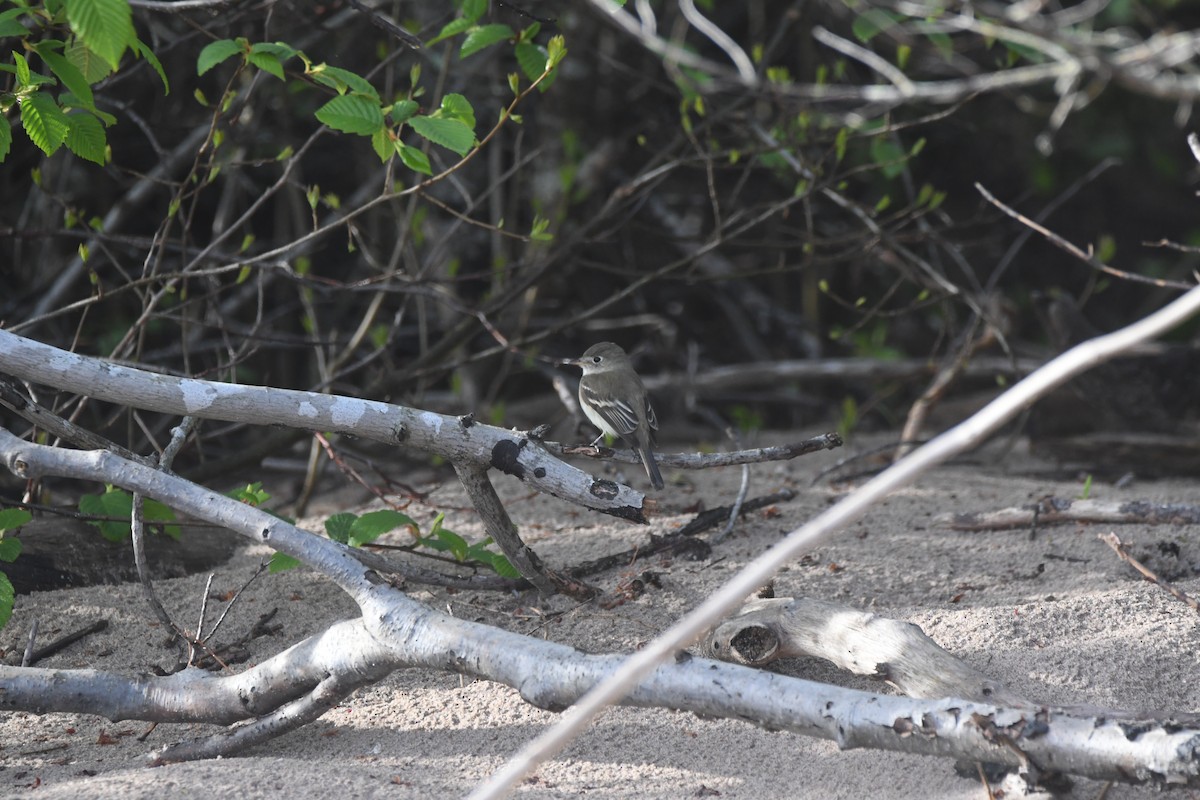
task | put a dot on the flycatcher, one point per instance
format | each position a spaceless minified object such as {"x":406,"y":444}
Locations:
{"x":614,"y":399}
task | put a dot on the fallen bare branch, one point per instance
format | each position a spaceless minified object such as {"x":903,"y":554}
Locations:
{"x":1060,"y":510}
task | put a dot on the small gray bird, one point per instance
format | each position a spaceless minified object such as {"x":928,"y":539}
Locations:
{"x":614,"y":399}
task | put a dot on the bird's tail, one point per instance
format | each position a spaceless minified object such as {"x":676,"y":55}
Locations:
{"x":647,"y":457}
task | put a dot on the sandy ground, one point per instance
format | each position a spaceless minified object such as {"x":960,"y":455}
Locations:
{"x":1054,"y":616}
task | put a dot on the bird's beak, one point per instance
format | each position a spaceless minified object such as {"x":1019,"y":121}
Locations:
{"x":570,"y":362}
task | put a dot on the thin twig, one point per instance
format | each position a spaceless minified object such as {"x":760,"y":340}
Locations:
{"x":1114,"y":541}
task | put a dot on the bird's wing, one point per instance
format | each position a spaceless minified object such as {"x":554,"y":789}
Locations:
{"x":651,"y":421}
{"x":615,"y":412}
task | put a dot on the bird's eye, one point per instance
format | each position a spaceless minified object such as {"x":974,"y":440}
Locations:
{"x":597,"y":359}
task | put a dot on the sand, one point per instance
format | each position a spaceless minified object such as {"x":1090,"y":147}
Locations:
{"x":1055,"y":616}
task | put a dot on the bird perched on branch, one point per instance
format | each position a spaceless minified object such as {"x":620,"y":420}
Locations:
{"x":614,"y":399}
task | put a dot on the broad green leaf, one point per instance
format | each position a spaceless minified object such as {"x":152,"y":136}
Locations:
{"x":532,"y":59}
{"x":413,"y":158}
{"x":113,"y":503}
{"x":456,"y":544}
{"x":373,"y":524}
{"x":216,"y":52}
{"x":455,"y":106}
{"x":403,"y":110}
{"x":451,"y":134}
{"x":452,"y":28}
{"x":13,"y":518}
{"x":351,"y":113}
{"x":7,"y":598}
{"x":93,"y":67}
{"x":68,"y":73}
{"x":44,"y":122}
{"x":381,"y":143}
{"x":338,"y":526}
{"x":154,"y":511}
{"x":484,"y":36}
{"x":340,"y":80}
{"x":267,"y":62}
{"x":10,"y":24}
{"x":504,"y":567}
{"x":105,"y":26}
{"x":86,"y":138}
{"x":281,"y":50}
{"x":10,"y":548}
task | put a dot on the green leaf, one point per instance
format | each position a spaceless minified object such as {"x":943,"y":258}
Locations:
{"x":413,"y":158}
{"x":13,"y":518}
{"x":113,"y":503}
{"x":452,"y":28}
{"x":381,"y":143}
{"x":7,"y":599}
{"x":44,"y":122}
{"x":451,"y":134}
{"x":341,"y":80}
{"x":86,"y":138}
{"x":267,"y":62}
{"x":154,"y":511}
{"x":455,"y":106}
{"x":216,"y":52}
{"x":352,"y":113}
{"x":338,"y":526}
{"x":5,"y":137}
{"x":504,"y":567}
{"x":105,"y":26}
{"x":484,"y":36}
{"x":532,"y":59}
{"x":10,"y":548}
{"x":556,"y":49}
{"x":143,"y":50}
{"x":281,"y":50}
{"x":22,"y":69}
{"x":839,"y":143}
{"x":281,"y":562}
{"x":456,"y":544}
{"x":403,"y":110}
{"x":474,"y":9}
{"x":93,"y":68}
{"x":373,"y":524}
{"x":888,"y":155}
{"x":252,"y":495}
{"x":68,"y":73}
{"x":10,"y":25}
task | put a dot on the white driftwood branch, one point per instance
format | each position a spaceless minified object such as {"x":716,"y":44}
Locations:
{"x":457,"y":440}
{"x":395,"y":631}
{"x":766,"y":630}
{"x":759,"y":572}
{"x":1059,"y":510}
